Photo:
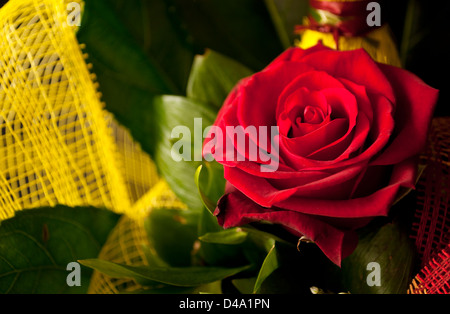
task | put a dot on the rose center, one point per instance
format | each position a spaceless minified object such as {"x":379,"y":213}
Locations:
{"x":306,"y":121}
{"x":313,"y":115}
{"x":302,"y":111}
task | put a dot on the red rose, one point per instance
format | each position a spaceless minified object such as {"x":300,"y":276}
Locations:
{"x":350,"y":130}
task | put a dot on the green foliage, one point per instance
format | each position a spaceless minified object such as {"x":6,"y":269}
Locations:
{"x":159,"y":33}
{"x":153,"y":276}
{"x":173,"y":233}
{"x":213,"y":76}
{"x":128,"y":77}
{"x":214,"y":252}
{"x":230,"y":236}
{"x":268,"y":267}
{"x":37,"y":245}
{"x":210,"y":183}
{"x":288,"y":270}
{"x":391,"y":248}
{"x":171,"y":112}
{"x":240,"y":29}
{"x":413,"y":31}
{"x":286,"y":14}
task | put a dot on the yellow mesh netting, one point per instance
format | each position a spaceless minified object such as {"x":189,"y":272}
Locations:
{"x":58,"y":145}
{"x":136,"y":167}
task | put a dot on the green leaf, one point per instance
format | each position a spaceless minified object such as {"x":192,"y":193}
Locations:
{"x":152,"y":256}
{"x":210,"y":288}
{"x":389,"y":247}
{"x":240,"y":29}
{"x":269,"y":265}
{"x":244,"y":285}
{"x":295,"y":271}
{"x":182,"y":277}
{"x":210,"y":181}
{"x":208,"y":223}
{"x":133,"y":57}
{"x":211,"y":186}
{"x":127,"y":87}
{"x":268,"y":239}
{"x":257,"y":246}
{"x":213,"y":252}
{"x":232,"y":236}
{"x":286,"y":14}
{"x":414,"y":30}
{"x":217,"y":254}
{"x":209,"y":204}
{"x":213,"y":77}
{"x":180,"y":113}
{"x":37,"y":245}
{"x":158,"y":31}
{"x":108,"y":43}
{"x":172,"y":234}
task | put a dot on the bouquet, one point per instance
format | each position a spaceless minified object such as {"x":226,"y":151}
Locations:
{"x":212,"y":147}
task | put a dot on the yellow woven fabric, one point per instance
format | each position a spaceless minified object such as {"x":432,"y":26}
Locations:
{"x":58,"y":145}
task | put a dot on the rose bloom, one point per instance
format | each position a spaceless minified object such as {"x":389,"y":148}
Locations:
{"x":350,"y":131}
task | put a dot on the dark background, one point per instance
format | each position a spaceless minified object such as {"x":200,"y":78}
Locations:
{"x":429,"y":58}
{"x":427,"y":54}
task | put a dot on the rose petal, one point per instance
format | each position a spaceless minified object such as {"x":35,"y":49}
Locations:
{"x":306,"y":128}
{"x":257,"y":105}
{"x":292,"y":109}
{"x":374,"y":205}
{"x":258,"y":189}
{"x":415,"y":107}
{"x":310,"y":143}
{"x":362,"y":98}
{"x":310,"y":81}
{"x":343,"y":104}
{"x":235,"y":209}
{"x":296,"y":54}
{"x":267,"y":192}
{"x":356,"y":66}
{"x":338,"y":185}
